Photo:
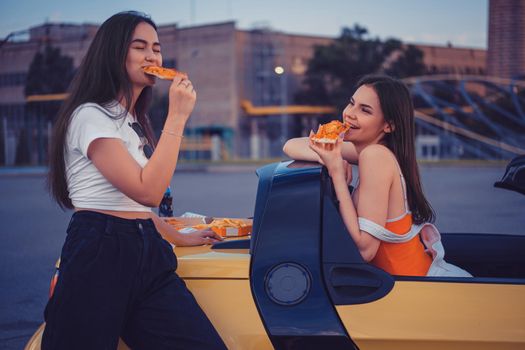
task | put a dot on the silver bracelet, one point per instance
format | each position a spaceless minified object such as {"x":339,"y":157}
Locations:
{"x":172,"y":133}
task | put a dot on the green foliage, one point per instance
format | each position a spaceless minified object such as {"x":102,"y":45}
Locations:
{"x":334,"y":69}
{"x":408,"y":64}
{"x":50,"y":72}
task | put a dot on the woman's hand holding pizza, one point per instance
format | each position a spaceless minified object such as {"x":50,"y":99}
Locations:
{"x":330,"y":154}
{"x":182,"y":97}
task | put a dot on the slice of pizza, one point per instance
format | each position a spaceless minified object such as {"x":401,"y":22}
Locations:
{"x":329,"y":132}
{"x":164,"y":73}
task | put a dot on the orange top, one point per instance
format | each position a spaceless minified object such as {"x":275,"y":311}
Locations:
{"x":406,"y":259}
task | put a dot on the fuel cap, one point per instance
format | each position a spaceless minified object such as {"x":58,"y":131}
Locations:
{"x":288,"y":283}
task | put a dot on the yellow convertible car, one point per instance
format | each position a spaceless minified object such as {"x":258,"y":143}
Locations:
{"x":300,"y":282}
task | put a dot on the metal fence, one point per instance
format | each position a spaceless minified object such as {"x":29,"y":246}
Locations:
{"x":25,"y":135}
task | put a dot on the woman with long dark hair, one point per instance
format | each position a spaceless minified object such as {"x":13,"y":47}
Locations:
{"x":388,"y":210}
{"x":117,"y":270}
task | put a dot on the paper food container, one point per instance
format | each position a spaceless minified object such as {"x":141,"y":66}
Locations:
{"x":228,"y":227}
{"x":224,"y":227}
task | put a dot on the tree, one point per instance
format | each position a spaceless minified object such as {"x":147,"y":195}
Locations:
{"x":50,"y":72}
{"x":334,"y":69}
{"x":408,"y":64}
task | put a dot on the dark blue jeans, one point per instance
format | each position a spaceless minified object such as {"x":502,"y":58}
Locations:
{"x":117,"y":279}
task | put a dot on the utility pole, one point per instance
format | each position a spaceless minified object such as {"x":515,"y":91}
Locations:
{"x":280,"y":71}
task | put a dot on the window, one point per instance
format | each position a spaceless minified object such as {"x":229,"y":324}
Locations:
{"x":12,"y":79}
{"x":12,"y":110}
{"x":170,"y":62}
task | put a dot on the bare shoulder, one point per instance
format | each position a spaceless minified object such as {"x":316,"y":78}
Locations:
{"x":375,"y":153}
{"x":377,"y":159}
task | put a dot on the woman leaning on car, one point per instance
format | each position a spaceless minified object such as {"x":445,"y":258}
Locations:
{"x":117,"y":272}
{"x":387,"y":211}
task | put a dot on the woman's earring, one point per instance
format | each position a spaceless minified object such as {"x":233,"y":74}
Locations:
{"x":389,"y":128}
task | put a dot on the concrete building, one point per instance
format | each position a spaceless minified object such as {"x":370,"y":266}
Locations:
{"x":227,"y":66}
{"x":454,"y":60}
{"x":506,"y":38}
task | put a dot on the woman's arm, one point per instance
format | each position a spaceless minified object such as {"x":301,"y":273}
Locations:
{"x":375,"y":180}
{"x":184,"y":239}
{"x":147,"y":185}
{"x":298,"y":149}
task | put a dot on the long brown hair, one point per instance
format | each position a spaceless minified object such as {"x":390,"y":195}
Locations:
{"x":398,"y":111}
{"x":101,"y":77}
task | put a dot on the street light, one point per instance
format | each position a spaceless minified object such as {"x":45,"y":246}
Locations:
{"x":279,"y":70}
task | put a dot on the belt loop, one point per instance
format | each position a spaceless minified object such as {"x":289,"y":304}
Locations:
{"x":141,"y":228}
{"x":70,"y":222}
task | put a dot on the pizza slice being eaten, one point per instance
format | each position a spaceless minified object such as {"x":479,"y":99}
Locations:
{"x":329,"y":132}
{"x":164,"y":73}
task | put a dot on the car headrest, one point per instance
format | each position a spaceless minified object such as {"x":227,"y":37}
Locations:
{"x":514,"y":177}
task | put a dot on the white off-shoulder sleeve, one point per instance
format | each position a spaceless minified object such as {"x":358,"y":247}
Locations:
{"x":89,"y":123}
{"x":431,"y":239}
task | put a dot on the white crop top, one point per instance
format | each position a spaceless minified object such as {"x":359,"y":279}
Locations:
{"x":88,"y":188}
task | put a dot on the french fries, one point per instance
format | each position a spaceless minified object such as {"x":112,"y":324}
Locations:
{"x":227,"y":223}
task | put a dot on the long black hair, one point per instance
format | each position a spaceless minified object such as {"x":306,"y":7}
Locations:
{"x":101,"y":78}
{"x":398,"y":111}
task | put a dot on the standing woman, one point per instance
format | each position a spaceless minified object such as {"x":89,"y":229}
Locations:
{"x":117,"y":272}
{"x":388,"y":210}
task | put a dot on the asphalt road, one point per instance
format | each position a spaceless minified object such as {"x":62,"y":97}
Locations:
{"x":33,"y":228}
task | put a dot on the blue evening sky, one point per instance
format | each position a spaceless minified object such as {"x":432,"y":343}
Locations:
{"x":463,"y":23}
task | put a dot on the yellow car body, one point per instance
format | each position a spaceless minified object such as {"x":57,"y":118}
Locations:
{"x":414,"y":315}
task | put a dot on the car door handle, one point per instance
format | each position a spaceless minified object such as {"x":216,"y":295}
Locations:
{"x":356,"y":283}
{"x":353,"y":281}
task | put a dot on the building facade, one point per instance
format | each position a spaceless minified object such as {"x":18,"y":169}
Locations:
{"x":454,"y":60}
{"x":506,"y":38}
{"x":227,"y":66}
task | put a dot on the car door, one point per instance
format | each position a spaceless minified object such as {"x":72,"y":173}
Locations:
{"x":440,"y":314}
{"x":484,"y":312}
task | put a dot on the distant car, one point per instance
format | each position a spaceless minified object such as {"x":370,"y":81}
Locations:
{"x":300,"y":282}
